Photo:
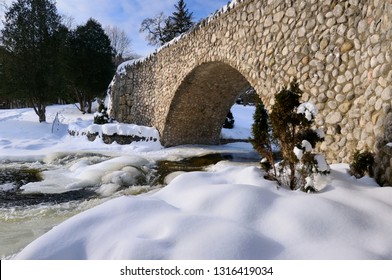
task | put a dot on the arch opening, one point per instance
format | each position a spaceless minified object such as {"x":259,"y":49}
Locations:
{"x":201,"y":103}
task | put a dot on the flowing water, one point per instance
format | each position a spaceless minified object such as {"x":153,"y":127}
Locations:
{"x":26,"y":215}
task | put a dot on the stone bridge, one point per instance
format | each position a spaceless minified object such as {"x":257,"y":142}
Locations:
{"x":339,"y":51}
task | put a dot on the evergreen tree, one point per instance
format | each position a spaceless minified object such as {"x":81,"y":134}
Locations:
{"x":229,"y":121}
{"x":32,"y":40}
{"x":291,"y":123}
{"x":168,"y":32}
{"x":180,"y":20}
{"x":285,"y":121}
{"x":3,"y":53}
{"x":90,"y":66}
{"x":262,"y":140}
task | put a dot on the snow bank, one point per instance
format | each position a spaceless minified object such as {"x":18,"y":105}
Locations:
{"x":115,"y":128}
{"x":142,"y":137}
{"x":23,"y":138}
{"x":231,"y":213}
{"x":243,"y":117}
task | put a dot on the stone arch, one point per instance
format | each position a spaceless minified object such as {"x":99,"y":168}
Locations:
{"x":340,"y":54}
{"x":201,"y":103}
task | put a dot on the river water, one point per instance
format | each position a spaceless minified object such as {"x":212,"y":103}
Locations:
{"x":26,"y":215}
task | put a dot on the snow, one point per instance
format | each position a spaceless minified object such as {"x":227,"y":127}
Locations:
{"x":322,"y":164}
{"x":7,"y":187}
{"x":307,"y":146}
{"x":115,"y":128}
{"x":232,"y":213}
{"x":309,"y":183}
{"x":243,"y":115}
{"x":122,"y":68}
{"x":320,"y":133}
{"x":83,"y":174}
{"x":228,"y":6}
{"x":23,"y":138}
{"x":228,"y":211}
{"x":299,"y":153}
{"x":308,"y":109}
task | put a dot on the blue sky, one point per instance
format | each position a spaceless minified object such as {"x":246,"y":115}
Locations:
{"x":128,"y":14}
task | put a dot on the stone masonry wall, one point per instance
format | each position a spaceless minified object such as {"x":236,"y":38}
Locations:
{"x":339,"y":51}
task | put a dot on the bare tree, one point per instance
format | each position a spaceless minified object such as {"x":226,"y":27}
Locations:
{"x":120,"y":43}
{"x":156,"y":29}
{"x":68,"y":21}
{"x":162,"y":29}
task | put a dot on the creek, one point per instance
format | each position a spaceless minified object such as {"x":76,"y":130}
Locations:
{"x":26,"y":215}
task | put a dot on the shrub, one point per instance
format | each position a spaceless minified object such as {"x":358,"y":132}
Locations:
{"x":101,"y":116}
{"x":229,"y":121}
{"x":362,"y":164}
{"x":262,"y":140}
{"x":291,"y":125}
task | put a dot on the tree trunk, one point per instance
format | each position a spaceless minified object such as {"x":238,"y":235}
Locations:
{"x":90,"y":105}
{"x":81,"y":99}
{"x":292,"y":176}
{"x":40,"y":110}
{"x":42,"y":114}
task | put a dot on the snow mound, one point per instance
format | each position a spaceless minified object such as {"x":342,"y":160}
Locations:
{"x":231,"y":213}
{"x":243,"y":116}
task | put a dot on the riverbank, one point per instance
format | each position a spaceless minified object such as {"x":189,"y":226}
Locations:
{"x":227,"y":210}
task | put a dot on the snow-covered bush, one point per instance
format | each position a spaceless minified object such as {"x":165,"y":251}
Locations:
{"x":229,"y":121}
{"x":362,"y":164}
{"x":102,"y":116}
{"x":290,"y":124}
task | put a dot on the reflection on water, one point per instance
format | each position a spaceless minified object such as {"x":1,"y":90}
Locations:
{"x":24,"y":216}
{"x":165,"y":167}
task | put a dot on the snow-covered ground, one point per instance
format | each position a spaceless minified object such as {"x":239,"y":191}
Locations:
{"x":243,"y":118}
{"x":228,"y":211}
